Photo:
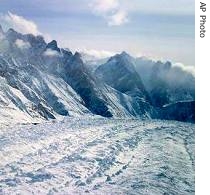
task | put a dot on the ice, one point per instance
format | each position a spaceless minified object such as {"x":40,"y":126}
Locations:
{"x":95,"y":155}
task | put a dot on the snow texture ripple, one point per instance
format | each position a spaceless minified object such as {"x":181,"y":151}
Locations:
{"x":98,"y":156}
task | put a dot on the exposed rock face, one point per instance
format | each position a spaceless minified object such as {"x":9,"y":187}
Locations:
{"x":166,"y":83}
{"x":119,"y":72}
{"x":180,"y":111}
{"x":77,"y":75}
{"x":42,"y":81}
{"x":52,"y":84}
{"x":53,"y":45}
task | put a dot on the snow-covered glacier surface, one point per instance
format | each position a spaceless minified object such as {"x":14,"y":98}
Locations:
{"x":98,"y":156}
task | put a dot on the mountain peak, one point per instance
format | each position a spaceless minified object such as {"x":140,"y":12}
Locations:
{"x":66,"y":52}
{"x":12,"y":35}
{"x":11,"y":30}
{"x":124,"y":54}
{"x":53,"y":45}
{"x":167,"y":65}
{"x":124,"y":60}
{"x":77,"y":55}
{"x":77,"y":59}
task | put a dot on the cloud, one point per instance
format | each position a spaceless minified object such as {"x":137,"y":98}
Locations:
{"x":105,"y":5}
{"x":118,"y":18}
{"x":189,"y":69}
{"x":19,"y":23}
{"x":51,"y":53}
{"x":22,"y":44}
{"x":99,"y":54}
{"x":110,"y":10}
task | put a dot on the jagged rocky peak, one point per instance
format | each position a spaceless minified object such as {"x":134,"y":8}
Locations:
{"x":12,"y":35}
{"x":11,"y":30}
{"x":124,"y":54}
{"x":161,"y":70}
{"x":63,"y":85}
{"x":167,"y":65}
{"x":77,"y":55}
{"x":119,"y":72}
{"x":121,"y":63}
{"x":156,"y":68}
{"x":77,"y":58}
{"x":66,"y":52}
{"x":35,"y":39}
{"x":53,"y":45}
{"x":36,"y":42}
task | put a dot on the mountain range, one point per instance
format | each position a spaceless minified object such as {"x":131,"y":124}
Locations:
{"x":40,"y":81}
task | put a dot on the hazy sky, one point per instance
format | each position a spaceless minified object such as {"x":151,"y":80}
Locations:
{"x":162,"y":29}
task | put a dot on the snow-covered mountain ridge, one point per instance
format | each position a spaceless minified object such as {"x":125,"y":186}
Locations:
{"x":40,"y":81}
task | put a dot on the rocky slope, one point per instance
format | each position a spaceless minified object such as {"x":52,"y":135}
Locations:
{"x":39,"y":81}
{"x":166,"y":82}
{"x":119,"y":72}
{"x":50,"y":82}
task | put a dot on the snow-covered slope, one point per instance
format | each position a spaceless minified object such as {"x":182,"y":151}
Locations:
{"x":79,"y":151}
{"x":119,"y":72}
{"x":14,"y":106}
{"x":54,"y":82}
{"x":42,"y":81}
{"x":98,"y":156}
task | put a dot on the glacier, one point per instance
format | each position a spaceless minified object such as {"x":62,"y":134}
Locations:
{"x":96,"y":155}
{"x":75,"y":124}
